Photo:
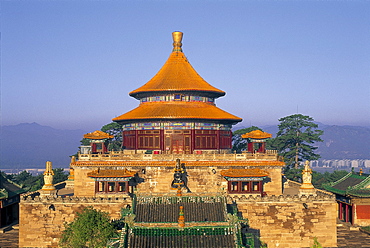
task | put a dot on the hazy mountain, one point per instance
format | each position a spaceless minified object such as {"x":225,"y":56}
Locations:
{"x":340,"y":142}
{"x":30,"y":145}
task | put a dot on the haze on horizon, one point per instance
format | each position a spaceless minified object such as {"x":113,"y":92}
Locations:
{"x":71,"y":64}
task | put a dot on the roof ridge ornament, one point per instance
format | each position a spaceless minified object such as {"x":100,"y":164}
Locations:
{"x":177,"y":38}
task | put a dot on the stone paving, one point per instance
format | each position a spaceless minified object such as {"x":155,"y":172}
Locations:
{"x":348,"y":237}
{"x":9,"y":238}
{"x":351,"y":237}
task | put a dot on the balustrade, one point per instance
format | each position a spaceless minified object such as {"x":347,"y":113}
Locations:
{"x":122,"y":156}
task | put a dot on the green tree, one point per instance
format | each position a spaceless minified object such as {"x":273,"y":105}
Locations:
{"x":59,"y":175}
{"x":240,"y":144}
{"x":31,"y":183}
{"x":114,"y":129}
{"x":295,"y":137}
{"x":91,"y":228}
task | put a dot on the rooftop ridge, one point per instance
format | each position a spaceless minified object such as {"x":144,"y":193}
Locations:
{"x":341,"y":179}
{"x":362,"y":184}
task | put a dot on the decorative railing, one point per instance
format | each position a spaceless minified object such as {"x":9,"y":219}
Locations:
{"x":116,"y":156}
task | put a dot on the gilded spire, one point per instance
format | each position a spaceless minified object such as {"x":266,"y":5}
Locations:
{"x":48,"y":177}
{"x":177,"y":38}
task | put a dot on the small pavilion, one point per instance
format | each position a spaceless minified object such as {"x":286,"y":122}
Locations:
{"x":98,"y":142}
{"x":257,"y":140}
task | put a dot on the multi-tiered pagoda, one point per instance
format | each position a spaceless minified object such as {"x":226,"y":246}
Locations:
{"x":177,"y":112}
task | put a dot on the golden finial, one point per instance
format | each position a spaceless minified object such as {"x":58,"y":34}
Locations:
{"x":48,"y":177}
{"x":181,"y":220}
{"x":361,"y":172}
{"x":49,"y":168}
{"x":177,"y":38}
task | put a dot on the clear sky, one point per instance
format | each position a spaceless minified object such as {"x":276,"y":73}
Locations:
{"x":71,"y":64}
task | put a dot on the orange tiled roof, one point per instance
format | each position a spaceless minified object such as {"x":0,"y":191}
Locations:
{"x":177,"y":110}
{"x":244,"y":173}
{"x":177,"y":75}
{"x":111,"y":173}
{"x":257,"y":134}
{"x":98,"y":135}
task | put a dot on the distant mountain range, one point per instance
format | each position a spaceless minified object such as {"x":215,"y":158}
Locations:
{"x":30,"y":145}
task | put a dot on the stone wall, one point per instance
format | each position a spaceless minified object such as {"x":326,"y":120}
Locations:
{"x":41,"y":226}
{"x":84,"y":185}
{"x":287,"y":221}
{"x":158,"y":179}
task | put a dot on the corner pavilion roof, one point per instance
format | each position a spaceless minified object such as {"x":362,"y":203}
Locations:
{"x":177,"y":75}
{"x":98,"y":135}
{"x":257,"y":134}
{"x":177,"y":110}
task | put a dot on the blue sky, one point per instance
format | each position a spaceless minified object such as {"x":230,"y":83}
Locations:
{"x":71,"y":64}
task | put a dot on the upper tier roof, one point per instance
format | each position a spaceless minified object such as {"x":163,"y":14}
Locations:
{"x":177,"y":110}
{"x":177,"y":75}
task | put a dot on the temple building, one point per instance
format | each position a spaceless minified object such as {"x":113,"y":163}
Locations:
{"x":9,"y":201}
{"x":177,"y":112}
{"x":176,"y":182}
{"x":353,"y":197}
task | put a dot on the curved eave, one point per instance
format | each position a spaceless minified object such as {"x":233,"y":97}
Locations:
{"x":244,"y":173}
{"x":177,"y":110}
{"x":177,"y":75}
{"x":195,"y":92}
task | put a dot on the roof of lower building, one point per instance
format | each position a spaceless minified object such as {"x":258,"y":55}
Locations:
{"x":177,"y":110}
{"x":212,"y":237}
{"x":177,"y":75}
{"x":193,"y":211}
{"x":8,"y":188}
{"x":111,"y":173}
{"x":244,"y":173}
{"x":257,"y":134}
{"x":98,"y":135}
{"x":353,"y":184}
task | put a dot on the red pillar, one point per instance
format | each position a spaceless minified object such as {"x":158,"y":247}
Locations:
{"x":250,"y":147}
{"x":347,"y":214}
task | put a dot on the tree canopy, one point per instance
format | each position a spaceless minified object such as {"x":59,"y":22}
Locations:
{"x":240,"y":144}
{"x":91,"y":228}
{"x":318,"y":179}
{"x":31,"y":183}
{"x":295,"y":137}
{"x":114,"y":129}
